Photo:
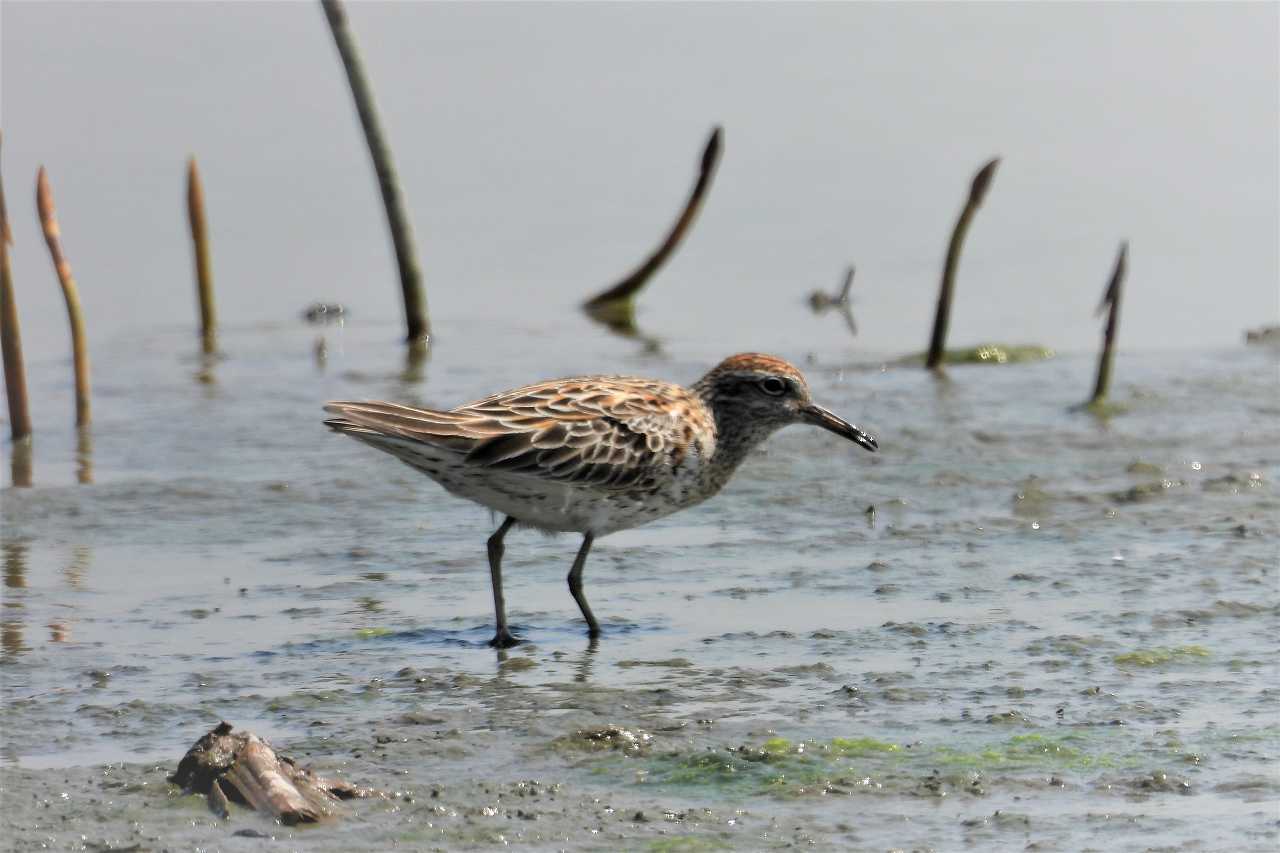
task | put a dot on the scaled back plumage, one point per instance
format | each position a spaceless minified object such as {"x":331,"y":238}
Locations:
{"x":603,"y":431}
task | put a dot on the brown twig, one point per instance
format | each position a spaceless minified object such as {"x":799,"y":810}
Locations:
{"x":79,"y":349}
{"x":977,"y":192}
{"x":203,"y":261}
{"x":417,"y":322}
{"x":15,"y":372}
{"x":1111,"y":300}
{"x":615,"y":304}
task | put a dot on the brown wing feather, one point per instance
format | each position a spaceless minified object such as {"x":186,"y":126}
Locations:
{"x":603,"y":431}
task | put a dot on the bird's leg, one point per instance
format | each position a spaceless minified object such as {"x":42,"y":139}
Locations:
{"x":503,"y":638}
{"x":575,"y":586}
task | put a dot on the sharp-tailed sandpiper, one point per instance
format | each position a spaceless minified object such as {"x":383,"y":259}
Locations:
{"x":594,"y":454}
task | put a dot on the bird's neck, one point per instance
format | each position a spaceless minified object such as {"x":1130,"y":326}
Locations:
{"x":736,"y":436}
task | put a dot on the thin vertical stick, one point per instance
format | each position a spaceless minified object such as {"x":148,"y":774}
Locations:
{"x":415,"y":303}
{"x":79,"y":350}
{"x":204,"y":265}
{"x":20,"y":464}
{"x":977,"y":192}
{"x":15,"y":372}
{"x":1110,"y":299}
{"x":626,"y":289}
{"x":416,"y":356}
{"x":84,"y":455}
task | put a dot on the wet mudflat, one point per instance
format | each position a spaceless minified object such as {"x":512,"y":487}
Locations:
{"x":1053,"y":631}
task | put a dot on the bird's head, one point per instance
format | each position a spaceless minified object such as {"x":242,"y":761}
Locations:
{"x":758,"y":394}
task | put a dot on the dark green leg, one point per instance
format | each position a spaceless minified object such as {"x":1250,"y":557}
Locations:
{"x":575,"y":586}
{"x":503,"y":639}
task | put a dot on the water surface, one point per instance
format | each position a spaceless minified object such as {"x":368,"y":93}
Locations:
{"x":1052,"y":629}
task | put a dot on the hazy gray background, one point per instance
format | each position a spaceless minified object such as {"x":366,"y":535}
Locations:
{"x":544,"y":149}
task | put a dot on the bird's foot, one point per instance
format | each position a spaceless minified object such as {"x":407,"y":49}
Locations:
{"x":504,"y":639}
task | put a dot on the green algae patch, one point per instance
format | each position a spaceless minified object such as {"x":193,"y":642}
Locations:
{"x":987,"y":354}
{"x":781,"y":768}
{"x":1161,"y":656}
{"x":776,"y":746}
{"x":716,"y":769}
{"x":1030,"y":752}
{"x":857,"y":747}
{"x":777,"y":767}
{"x":373,"y":633}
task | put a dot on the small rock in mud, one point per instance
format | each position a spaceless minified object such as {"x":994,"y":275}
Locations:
{"x":742,"y":592}
{"x":1162,"y":782}
{"x":324,"y":313}
{"x":607,"y":737}
{"x":1030,"y":499}
{"x":517,"y":664}
{"x":821,"y":670}
{"x":931,"y":786}
{"x":1009,"y":718}
{"x":673,"y":663}
{"x":1145,"y":491}
{"x":1233,"y":484}
{"x":420,"y":718}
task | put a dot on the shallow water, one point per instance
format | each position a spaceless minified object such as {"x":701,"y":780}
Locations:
{"x":1052,"y":630}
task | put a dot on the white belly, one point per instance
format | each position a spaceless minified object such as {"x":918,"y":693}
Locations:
{"x":548,"y":504}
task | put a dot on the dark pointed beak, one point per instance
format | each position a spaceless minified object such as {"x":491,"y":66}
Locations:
{"x":819,"y":416}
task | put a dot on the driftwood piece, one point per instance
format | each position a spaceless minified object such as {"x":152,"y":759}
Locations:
{"x":241,"y":767}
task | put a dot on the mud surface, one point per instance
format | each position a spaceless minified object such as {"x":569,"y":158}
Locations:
{"x":1053,"y":632}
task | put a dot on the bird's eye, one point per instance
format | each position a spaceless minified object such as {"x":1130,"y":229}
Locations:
{"x":773,"y":386}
